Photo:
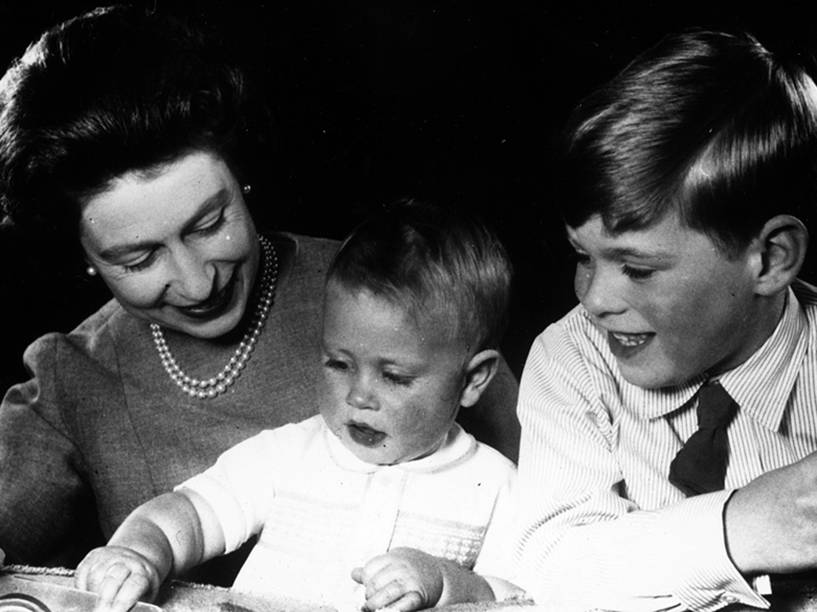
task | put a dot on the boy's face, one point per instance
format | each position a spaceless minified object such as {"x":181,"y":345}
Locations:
{"x":672,"y":304}
{"x":391,"y":390}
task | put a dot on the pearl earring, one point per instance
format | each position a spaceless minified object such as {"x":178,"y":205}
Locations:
{"x":90,"y":271}
{"x":246,"y":189}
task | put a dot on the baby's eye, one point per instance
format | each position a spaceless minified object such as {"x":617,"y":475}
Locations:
{"x":637,"y":273}
{"x":398,"y":379}
{"x":335,"y":364}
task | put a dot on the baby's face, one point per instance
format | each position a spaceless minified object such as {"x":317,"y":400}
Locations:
{"x":391,"y":389}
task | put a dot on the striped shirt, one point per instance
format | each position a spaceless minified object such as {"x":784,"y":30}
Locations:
{"x":601,"y":525}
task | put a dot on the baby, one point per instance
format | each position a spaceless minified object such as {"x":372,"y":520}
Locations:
{"x":382,"y":499}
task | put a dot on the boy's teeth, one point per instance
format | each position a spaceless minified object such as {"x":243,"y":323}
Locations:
{"x":630,"y":339}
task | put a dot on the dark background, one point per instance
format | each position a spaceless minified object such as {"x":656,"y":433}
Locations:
{"x":453,"y":101}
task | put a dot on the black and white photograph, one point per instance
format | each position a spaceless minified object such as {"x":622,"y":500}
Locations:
{"x":392,"y":306}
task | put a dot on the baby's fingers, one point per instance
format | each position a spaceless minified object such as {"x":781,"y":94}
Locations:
{"x":394,"y":596}
{"x":121,"y":588}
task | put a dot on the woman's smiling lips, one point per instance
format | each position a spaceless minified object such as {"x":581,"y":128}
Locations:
{"x":364,"y":435}
{"x":214,"y":305}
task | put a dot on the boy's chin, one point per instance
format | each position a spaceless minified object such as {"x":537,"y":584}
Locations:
{"x":651,"y":378}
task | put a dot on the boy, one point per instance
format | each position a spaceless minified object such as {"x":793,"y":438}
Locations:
{"x":686,"y":183}
{"x":383,"y":481}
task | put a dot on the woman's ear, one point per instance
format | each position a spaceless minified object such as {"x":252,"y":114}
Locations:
{"x":781,"y":248}
{"x":478,"y":374}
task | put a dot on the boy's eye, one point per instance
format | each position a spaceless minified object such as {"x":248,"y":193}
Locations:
{"x":582,"y":259}
{"x":637,"y":273}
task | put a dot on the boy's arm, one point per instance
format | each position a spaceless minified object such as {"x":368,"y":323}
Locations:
{"x":161,"y":536}
{"x":407,"y":579}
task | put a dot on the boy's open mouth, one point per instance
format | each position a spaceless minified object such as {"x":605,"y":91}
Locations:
{"x":629,"y":339}
{"x":364,"y":435}
{"x":624,"y":345}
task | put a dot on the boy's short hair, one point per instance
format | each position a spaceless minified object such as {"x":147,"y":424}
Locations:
{"x":432,"y":261}
{"x":709,"y":124}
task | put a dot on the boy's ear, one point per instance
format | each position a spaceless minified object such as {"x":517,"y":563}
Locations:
{"x":478,"y":374}
{"x":781,"y":250}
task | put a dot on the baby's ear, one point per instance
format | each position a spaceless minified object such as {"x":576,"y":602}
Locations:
{"x":782,"y":249}
{"x":478,"y":374}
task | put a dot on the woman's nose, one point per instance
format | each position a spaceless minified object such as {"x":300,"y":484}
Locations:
{"x":192,"y":276}
{"x":599,"y":291}
{"x":360,"y":394}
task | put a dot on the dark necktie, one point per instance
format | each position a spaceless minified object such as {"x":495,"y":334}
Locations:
{"x":700,"y":466}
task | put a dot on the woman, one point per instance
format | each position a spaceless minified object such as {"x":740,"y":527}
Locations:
{"x":125,"y":137}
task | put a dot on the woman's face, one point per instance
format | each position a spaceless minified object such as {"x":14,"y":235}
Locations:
{"x":176,"y":246}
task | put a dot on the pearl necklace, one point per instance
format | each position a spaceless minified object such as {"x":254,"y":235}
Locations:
{"x":211,"y":387}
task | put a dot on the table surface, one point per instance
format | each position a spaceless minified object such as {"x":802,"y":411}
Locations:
{"x":178,"y":596}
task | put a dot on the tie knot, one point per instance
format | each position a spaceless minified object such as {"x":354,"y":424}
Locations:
{"x":716,"y":408}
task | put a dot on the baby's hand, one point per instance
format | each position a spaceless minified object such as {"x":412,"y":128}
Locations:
{"x":120,"y":576}
{"x":403,"y":579}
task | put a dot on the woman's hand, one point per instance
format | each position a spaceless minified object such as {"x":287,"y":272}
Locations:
{"x":401,"y":580}
{"x":120,"y":576}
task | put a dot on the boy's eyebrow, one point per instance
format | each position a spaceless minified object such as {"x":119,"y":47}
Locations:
{"x":622,"y":252}
{"x":117,"y":252}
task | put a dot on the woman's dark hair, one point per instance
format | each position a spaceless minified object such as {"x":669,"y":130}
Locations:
{"x":115,"y":90}
{"x":709,"y":124}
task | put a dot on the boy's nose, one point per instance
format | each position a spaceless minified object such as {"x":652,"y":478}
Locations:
{"x":599,"y":292}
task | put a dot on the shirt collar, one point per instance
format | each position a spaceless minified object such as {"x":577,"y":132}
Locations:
{"x":457,"y":446}
{"x":761,"y":385}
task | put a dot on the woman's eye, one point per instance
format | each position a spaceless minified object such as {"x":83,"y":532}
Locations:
{"x":213,"y":226}
{"x":637,"y":273}
{"x":141,"y":264}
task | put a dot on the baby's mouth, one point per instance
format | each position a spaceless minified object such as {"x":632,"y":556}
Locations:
{"x":364,"y":435}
